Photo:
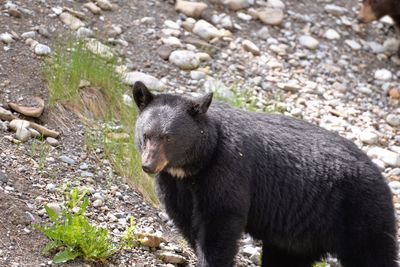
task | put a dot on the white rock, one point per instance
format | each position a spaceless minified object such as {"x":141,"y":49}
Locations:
{"x":151,"y":82}
{"x":197,"y":75}
{"x":206,"y":30}
{"x":188,"y":24}
{"x":52,"y":141}
{"x":335,"y":10}
{"x":171,"y":24}
{"x":379,"y":163}
{"x":6,"y":38}
{"x":271,"y":16}
{"x":244,"y":16}
{"x":51,"y":188}
{"x":393,"y":120}
{"x":375,"y":47}
{"x":353,"y":44}
{"x":84,"y":32}
{"x":238,"y":4}
{"x":184,"y":59}
{"x":104,"y":4}
{"x":190,"y":9}
{"x":383,"y":75}
{"x":98,"y":48}
{"x":226,"y":22}
{"x":249,"y":46}
{"x":97,"y":203}
{"x":392,"y":46}
{"x":73,"y":22}
{"x":263,"y":33}
{"x":388,"y":157}
{"x":171,"y":41}
{"x":395,"y":187}
{"x":170,"y":257}
{"x":277,"y":4}
{"x":93,"y":8}
{"x":30,"y":34}
{"x":42,"y":50}
{"x":18,"y":124}
{"x":331,"y":34}
{"x":309,"y":42}
{"x":369,"y":137}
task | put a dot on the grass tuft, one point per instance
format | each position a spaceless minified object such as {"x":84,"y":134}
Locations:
{"x":100,"y":97}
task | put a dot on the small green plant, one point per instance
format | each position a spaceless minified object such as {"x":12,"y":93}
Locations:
{"x":72,"y":234}
{"x":40,"y":150}
{"x":321,"y":264}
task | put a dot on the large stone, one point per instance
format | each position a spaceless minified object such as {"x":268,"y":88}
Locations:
{"x":42,"y":50}
{"x":388,"y":157}
{"x":271,"y":16}
{"x":369,"y":137}
{"x":184,"y":59}
{"x":151,"y":82}
{"x":71,"y":21}
{"x":190,"y":9}
{"x":35,"y":111}
{"x":206,"y":30}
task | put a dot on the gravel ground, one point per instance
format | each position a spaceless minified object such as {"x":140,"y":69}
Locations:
{"x":310,"y":58}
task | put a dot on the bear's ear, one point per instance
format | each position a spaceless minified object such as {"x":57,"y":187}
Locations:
{"x":141,"y":95}
{"x":200,"y":105}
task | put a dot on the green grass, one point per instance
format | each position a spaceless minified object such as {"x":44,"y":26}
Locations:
{"x":72,"y":235}
{"x":244,"y":99}
{"x":70,"y":64}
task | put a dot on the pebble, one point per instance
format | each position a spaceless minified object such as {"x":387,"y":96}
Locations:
{"x":205,"y":30}
{"x":52,"y":141}
{"x":42,"y":50}
{"x":73,"y":22}
{"x":93,"y":8}
{"x":173,"y":258}
{"x":335,"y":10}
{"x":171,"y":41}
{"x":238,"y":4}
{"x":271,"y":16}
{"x":184,"y":59}
{"x":51,"y":188}
{"x":263,"y":33}
{"x":391,"y":46}
{"x":67,"y":159}
{"x":395,"y":187}
{"x":55,"y":207}
{"x":164,"y":51}
{"x":105,"y":5}
{"x":331,"y":34}
{"x":276,"y":4}
{"x":30,"y":34}
{"x":369,"y":137}
{"x":98,"y":48}
{"x":309,"y":42}
{"x":188,"y":24}
{"x":376,"y":48}
{"x":190,"y":9}
{"x":383,"y":75}
{"x":249,"y":46}
{"x":171,"y":24}
{"x":151,"y":82}
{"x":6,"y":38}
{"x":353,"y":44}
{"x":84,"y":32}
{"x":393,"y":120}
{"x":97,"y":203}
{"x":197,"y":75}
{"x":3,"y":177}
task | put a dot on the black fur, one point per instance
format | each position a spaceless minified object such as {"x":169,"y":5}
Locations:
{"x":302,"y":190}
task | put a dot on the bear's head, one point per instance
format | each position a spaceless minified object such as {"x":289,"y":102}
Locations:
{"x":170,"y":130}
{"x":375,"y":9}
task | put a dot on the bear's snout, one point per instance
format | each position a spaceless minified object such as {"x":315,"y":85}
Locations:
{"x":153,"y":157}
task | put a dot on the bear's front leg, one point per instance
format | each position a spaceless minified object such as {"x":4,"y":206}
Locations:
{"x":217,"y":240}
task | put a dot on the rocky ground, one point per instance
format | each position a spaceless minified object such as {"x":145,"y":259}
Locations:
{"x":310,"y":58}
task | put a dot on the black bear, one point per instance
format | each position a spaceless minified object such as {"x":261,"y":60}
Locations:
{"x":375,"y":9}
{"x":302,"y":190}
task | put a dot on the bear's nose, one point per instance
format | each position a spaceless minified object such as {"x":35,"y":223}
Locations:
{"x":147,"y":168}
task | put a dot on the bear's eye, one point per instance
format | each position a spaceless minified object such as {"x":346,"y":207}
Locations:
{"x":167,"y":138}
